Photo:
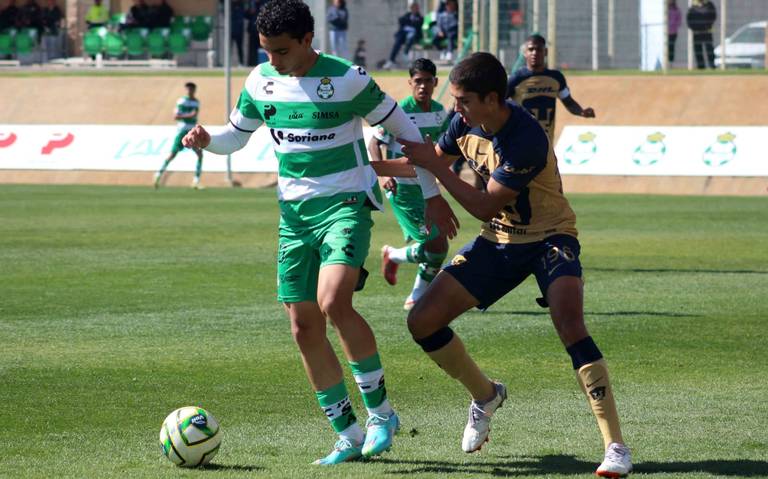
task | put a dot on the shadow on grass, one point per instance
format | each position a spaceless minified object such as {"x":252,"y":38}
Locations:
{"x":569,"y":465}
{"x":676,"y":270}
{"x":545,"y":312}
{"x":231,"y":467}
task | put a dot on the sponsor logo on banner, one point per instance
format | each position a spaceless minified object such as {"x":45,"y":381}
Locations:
{"x":59,"y":140}
{"x":7,"y":139}
{"x":721,"y":152}
{"x":650,"y":152}
{"x":582,"y":151}
{"x":663,"y":150}
{"x":143,"y":147}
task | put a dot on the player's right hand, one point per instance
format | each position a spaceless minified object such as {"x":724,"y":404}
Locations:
{"x":197,"y":137}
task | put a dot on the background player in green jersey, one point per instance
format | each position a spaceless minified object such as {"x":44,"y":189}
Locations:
{"x":429,"y":247}
{"x":537,"y":88}
{"x":528,"y":229}
{"x":314,"y":105}
{"x":187,"y":109}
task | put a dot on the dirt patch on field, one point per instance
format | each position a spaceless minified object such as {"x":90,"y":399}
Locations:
{"x":632,"y":100}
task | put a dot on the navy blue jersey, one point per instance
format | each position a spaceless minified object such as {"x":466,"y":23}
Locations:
{"x":520,"y":157}
{"x":538,"y":92}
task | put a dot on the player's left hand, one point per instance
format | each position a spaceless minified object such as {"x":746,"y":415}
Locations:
{"x":588,"y":113}
{"x":439,"y":213}
{"x":421,"y":154}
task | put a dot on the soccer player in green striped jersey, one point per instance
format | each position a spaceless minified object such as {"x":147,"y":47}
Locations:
{"x":314,"y":105}
{"x":428,"y":248}
{"x":187,"y":109}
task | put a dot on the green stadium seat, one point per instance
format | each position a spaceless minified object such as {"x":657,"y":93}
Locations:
{"x":178,"y":43}
{"x":156,"y":44}
{"x":31,"y":33}
{"x":6,"y":44}
{"x":428,"y":30}
{"x":24,"y":43}
{"x":179,"y":23}
{"x":92,"y":42}
{"x":134,"y":44}
{"x":114,"y":45}
{"x":201,"y":28}
{"x":117,"y":19}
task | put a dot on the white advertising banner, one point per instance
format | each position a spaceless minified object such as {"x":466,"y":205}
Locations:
{"x":121,"y":148}
{"x":663,"y":150}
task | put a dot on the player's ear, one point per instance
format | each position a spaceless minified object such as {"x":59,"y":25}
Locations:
{"x":436,"y":79}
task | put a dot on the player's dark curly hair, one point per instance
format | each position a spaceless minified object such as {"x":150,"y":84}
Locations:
{"x":422,"y":65}
{"x":285,"y":16}
{"x":481,"y":73}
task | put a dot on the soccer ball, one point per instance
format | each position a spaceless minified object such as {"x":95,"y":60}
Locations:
{"x":190,"y":437}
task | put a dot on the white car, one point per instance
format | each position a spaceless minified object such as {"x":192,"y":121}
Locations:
{"x":745,"y":48}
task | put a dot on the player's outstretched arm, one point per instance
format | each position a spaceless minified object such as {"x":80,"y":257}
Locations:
{"x":483,"y":205}
{"x":226,"y":140}
{"x":573,"y":106}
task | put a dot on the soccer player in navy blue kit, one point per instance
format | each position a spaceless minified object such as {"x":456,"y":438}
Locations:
{"x":537,"y":88}
{"x":528,"y":229}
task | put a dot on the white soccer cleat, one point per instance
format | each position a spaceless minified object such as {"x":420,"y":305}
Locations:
{"x":479,"y":424}
{"x":617,"y":461}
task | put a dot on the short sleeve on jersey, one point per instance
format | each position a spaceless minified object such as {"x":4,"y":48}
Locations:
{"x":448,"y":141}
{"x":246,"y":116}
{"x":371,"y":103}
{"x":522,"y":158}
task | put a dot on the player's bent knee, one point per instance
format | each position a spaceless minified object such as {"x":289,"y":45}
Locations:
{"x":436,"y":340}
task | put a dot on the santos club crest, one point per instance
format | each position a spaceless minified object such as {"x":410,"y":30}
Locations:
{"x":325,"y":88}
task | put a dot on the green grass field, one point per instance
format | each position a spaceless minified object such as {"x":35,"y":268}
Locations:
{"x":118,"y":305}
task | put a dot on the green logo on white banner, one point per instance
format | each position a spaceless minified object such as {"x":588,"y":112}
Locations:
{"x":721,"y":152}
{"x":582,"y":151}
{"x":650,"y":152}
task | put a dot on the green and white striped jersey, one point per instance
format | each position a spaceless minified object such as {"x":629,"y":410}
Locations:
{"x":186,"y":105}
{"x":432,"y":123}
{"x":316,"y":124}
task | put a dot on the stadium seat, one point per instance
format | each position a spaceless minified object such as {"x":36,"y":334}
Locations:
{"x":178,"y":43}
{"x":134,"y":44}
{"x":24,"y":43}
{"x":428,"y":30}
{"x":92,"y":42}
{"x":6,"y":44}
{"x":179,"y":24}
{"x":201,"y":28}
{"x":156,"y":44}
{"x":114,"y":45}
{"x":116,"y":20}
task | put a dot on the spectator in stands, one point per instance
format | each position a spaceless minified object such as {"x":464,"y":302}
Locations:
{"x":9,"y":16}
{"x":51,"y":19}
{"x":674,"y":19}
{"x":701,"y":16}
{"x":163,"y":15}
{"x":97,"y":16}
{"x":138,"y":15}
{"x":237,"y":28}
{"x":251,"y":14}
{"x":338,"y":23}
{"x":408,"y":33}
{"x":447,"y":30}
{"x":359,"y":57}
{"x":31,"y":16}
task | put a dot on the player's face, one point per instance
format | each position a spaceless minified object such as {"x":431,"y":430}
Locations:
{"x":287,"y":55}
{"x":422,"y":86}
{"x":470,"y":107}
{"x":534,"y":54}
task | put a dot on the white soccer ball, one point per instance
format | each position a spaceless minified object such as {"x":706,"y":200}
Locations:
{"x":190,"y":437}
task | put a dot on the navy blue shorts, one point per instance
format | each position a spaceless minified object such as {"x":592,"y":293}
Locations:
{"x":489,"y":270}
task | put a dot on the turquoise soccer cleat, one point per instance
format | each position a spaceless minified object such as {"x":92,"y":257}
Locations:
{"x":381,"y":430}
{"x":343,"y":451}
